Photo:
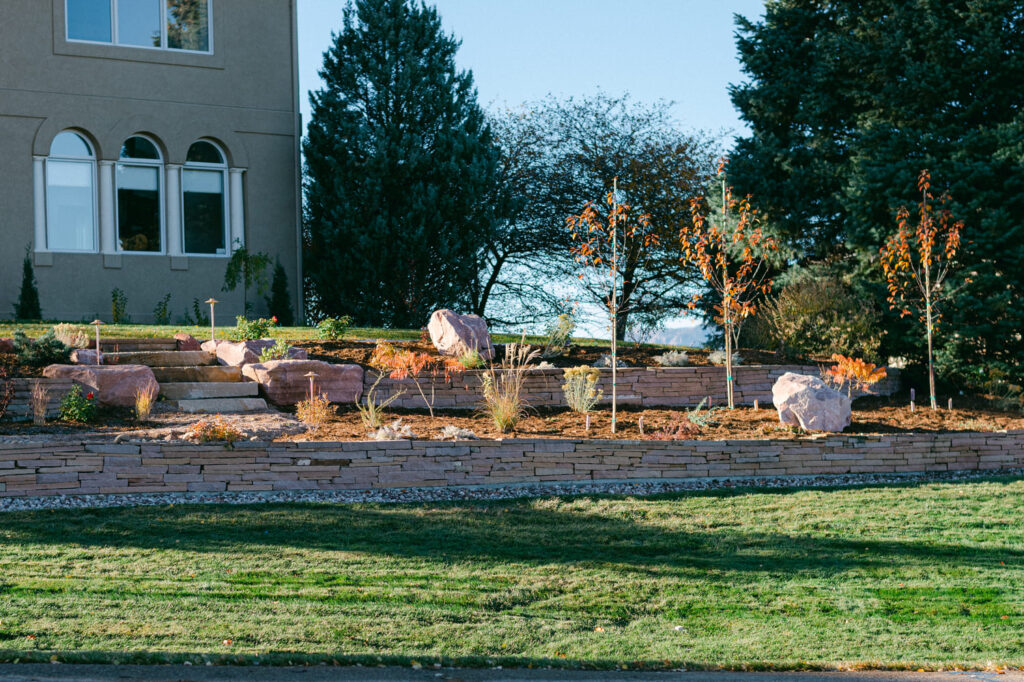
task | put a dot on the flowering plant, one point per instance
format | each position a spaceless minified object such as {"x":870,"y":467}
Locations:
{"x":78,"y":408}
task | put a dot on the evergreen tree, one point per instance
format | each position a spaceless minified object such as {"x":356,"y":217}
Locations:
{"x":280,"y":300}
{"x":849,"y":101}
{"x":27,"y":307}
{"x":399,"y":164}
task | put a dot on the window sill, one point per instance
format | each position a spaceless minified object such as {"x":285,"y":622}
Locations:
{"x":122,"y":53}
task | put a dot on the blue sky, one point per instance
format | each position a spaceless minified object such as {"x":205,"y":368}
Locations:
{"x":519,"y":50}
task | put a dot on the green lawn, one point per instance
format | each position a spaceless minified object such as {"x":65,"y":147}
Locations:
{"x":915,"y":576}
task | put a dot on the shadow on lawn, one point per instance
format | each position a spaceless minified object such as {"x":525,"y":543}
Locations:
{"x":512,"y":532}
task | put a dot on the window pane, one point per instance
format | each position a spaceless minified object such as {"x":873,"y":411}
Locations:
{"x":204,"y":211}
{"x":70,"y":144}
{"x":89,"y":20}
{"x":204,"y":152}
{"x":138,"y":208}
{"x":188,"y":25}
{"x":70,"y":214}
{"x":139,"y":148}
{"x":138,"y":22}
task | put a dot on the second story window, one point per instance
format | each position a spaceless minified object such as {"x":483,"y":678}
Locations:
{"x":160,"y":24}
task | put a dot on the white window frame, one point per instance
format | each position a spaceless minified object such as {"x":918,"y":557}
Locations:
{"x":222,"y":168}
{"x":92,"y":161}
{"x":163,"y":31}
{"x":158,"y":164}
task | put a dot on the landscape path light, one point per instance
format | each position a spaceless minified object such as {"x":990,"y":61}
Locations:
{"x":213,"y":323}
{"x":312,"y":378}
{"x":98,"y":324}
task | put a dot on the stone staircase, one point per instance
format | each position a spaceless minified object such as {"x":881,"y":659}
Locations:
{"x":192,"y":381}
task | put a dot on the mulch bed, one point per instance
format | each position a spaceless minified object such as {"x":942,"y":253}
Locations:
{"x":358,"y":352}
{"x":16,"y":370}
{"x":870,"y":416}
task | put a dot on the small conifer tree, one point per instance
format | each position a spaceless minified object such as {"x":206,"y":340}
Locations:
{"x":27,"y":307}
{"x":280,"y":301}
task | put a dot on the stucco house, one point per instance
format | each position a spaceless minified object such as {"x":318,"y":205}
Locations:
{"x":141,"y":141}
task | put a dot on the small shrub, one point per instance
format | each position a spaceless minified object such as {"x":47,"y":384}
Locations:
{"x":40,"y":403}
{"x":559,"y":336}
{"x":852,"y":373}
{"x":162,"y":311}
{"x":503,"y":391}
{"x":78,"y":408}
{"x":396,"y":430}
{"x":677,"y":428}
{"x":200,"y":316}
{"x":280,"y":300}
{"x":372,"y":413}
{"x":72,"y":335}
{"x":213,"y":431}
{"x":703,"y":416}
{"x":46,"y":350}
{"x":717,"y":357}
{"x":251,"y":330}
{"x":333,"y":328}
{"x":471,"y":359}
{"x":406,"y":364}
{"x":279,"y":351}
{"x":145,"y":398}
{"x":119,"y":306}
{"x":452,"y":432}
{"x":314,"y":412}
{"x":580,"y":388}
{"x":605,"y":361}
{"x":673,"y":358}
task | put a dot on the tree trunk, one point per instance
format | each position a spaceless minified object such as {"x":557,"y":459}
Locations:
{"x":931,"y":363}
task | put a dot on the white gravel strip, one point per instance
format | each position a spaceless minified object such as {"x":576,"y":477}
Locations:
{"x":503,"y":492}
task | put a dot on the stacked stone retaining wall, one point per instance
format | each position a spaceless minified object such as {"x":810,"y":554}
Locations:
{"x":76,"y":468}
{"x":20,"y":408}
{"x":640,"y":386}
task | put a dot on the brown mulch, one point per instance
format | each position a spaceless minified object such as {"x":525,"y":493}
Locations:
{"x":870,"y":416}
{"x":358,"y":352}
{"x":16,"y":370}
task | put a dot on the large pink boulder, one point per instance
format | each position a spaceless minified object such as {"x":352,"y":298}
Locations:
{"x":808,"y":402}
{"x":83,"y":356}
{"x":113,"y":384}
{"x":186,"y":341}
{"x":284,"y":382}
{"x":454,"y":334}
{"x":6,"y":346}
{"x":241,"y":353}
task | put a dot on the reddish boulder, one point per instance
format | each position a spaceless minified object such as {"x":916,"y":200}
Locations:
{"x":186,"y":341}
{"x":284,"y":382}
{"x":454,"y":334}
{"x":83,"y":356}
{"x":113,"y":384}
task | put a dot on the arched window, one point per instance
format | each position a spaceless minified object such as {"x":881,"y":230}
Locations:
{"x":139,"y":205}
{"x":71,"y":194}
{"x":204,"y":208}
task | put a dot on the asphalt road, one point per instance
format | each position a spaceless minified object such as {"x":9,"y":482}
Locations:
{"x":131,"y":673}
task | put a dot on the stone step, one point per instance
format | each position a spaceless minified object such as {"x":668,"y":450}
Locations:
{"x":220,"y":405}
{"x":201,"y":374}
{"x":198,"y":390}
{"x":159,"y":358}
{"x":134,"y":345}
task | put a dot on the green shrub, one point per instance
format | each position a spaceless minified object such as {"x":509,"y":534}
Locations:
{"x":250,"y":330}
{"x":200,"y":316}
{"x":471,"y":359}
{"x":162,"y":311}
{"x":580,"y":388}
{"x":279,"y":351}
{"x":280,"y":300}
{"x":78,"y":408}
{"x":27,"y":307}
{"x":46,"y":350}
{"x":119,"y":306}
{"x":817,"y":315}
{"x":333,"y":328}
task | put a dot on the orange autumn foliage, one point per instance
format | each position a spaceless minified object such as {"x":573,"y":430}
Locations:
{"x":853,"y":373}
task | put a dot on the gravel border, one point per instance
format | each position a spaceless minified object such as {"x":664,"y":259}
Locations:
{"x":502,"y":492}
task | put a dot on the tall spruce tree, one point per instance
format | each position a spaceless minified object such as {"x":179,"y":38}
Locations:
{"x":399,"y":166}
{"x":849,"y":101}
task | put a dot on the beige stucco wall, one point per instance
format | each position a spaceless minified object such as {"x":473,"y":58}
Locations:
{"x":243,"y":95}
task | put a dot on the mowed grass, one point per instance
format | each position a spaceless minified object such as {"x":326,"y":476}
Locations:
{"x":928,"y":575}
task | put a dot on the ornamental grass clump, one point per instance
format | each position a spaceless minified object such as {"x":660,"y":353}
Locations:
{"x":40,"y":402}
{"x":580,"y":388}
{"x":503,"y":387}
{"x":371,"y":413}
{"x":71,"y":335}
{"x":145,"y":398}
{"x":471,"y":359}
{"x":559,"y":336}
